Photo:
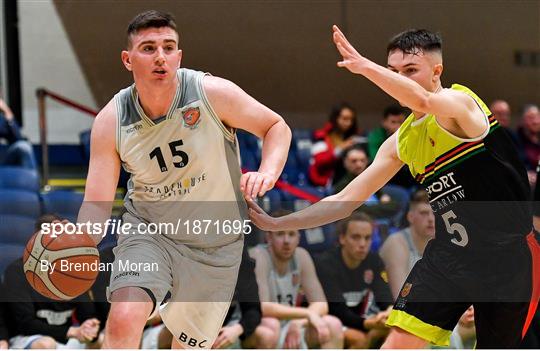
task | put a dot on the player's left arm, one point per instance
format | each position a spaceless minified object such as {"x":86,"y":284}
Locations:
{"x":310,"y":283}
{"x":237,"y":109}
{"x":446,"y":103}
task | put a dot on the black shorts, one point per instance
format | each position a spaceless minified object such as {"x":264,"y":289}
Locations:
{"x":503,"y":285}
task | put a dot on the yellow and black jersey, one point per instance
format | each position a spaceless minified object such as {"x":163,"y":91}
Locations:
{"x":478,"y":188}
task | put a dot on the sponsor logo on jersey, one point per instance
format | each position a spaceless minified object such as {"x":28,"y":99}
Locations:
{"x":406,"y":290}
{"x":191,"y":117}
{"x":368,"y":276}
{"x":432,"y":142}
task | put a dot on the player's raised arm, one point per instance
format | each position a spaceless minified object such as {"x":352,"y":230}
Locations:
{"x":239,"y":110}
{"x":342,"y":204}
{"x":396,"y":81}
{"x":103,"y":170}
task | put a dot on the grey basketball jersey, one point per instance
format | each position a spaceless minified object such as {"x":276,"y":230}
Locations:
{"x":184,"y":166}
{"x":283,"y":288}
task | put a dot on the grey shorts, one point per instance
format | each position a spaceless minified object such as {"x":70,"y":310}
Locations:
{"x":199,"y":282}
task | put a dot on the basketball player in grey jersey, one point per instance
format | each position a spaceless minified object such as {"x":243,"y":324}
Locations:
{"x":282,"y":268}
{"x":174,"y":131}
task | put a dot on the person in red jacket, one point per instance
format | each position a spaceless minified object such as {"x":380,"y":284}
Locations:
{"x":339,"y":133}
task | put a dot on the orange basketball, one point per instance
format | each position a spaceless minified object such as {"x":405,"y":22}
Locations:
{"x":61,"y":267}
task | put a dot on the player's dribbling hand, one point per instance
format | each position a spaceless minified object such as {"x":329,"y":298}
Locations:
{"x":352,"y":60}
{"x":258,"y":217}
{"x":255,"y":184}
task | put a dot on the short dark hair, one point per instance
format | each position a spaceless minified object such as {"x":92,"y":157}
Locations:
{"x":150,"y":19}
{"x":413,"y":41}
{"x":394,"y":110}
{"x":355,"y":217}
{"x":46,"y":218}
{"x":358,"y":147}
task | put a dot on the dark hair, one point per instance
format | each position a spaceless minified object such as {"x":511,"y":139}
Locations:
{"x":46,"y":218}
{"x":355,"y":217}
{"x":394,"y":110}
{"x":150,"y":19}
{"x":334,"y":114}
{"x":358,"y":147}
{"x":413,"y":41}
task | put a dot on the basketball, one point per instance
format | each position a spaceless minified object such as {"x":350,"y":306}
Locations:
{"x":61,"y":267}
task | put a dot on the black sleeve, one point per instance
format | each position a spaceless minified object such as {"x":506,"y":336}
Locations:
{"x":334,"y":295}
{"x":84,"y":308}
{"x":248,"y":295}
{"x":4,"y":335}
{"x":21,"y":307}
{"x":381,"y":289}
{"x":9,"y":130}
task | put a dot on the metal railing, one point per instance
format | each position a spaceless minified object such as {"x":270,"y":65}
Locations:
{"x":42,"y":94}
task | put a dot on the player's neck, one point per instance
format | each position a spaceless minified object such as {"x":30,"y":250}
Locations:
{"x":419,"y":241}
{"x":281,"y":266}
{"x":156,"y":101}
{"x":349,"y":261}
{"x":418,"y":114}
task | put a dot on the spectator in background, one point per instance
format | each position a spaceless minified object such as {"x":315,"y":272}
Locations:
{"x":402,"y":249}
{"x":503,"y":114}
{"x":339,"y":133}
{"x":38,"y":322}
{"x":355,"y":161}
{"x":19,"y":151}
{"x":393,"y":117}
{"x":282,"y":269}
{"x":353,"y":279}
{"x":244,"y":326}
{"x":529,"y":135}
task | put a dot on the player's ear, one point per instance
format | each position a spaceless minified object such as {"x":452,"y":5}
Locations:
{"x":126,"y":60}
{"x":437,"y":71}
{"x":179,"y":57}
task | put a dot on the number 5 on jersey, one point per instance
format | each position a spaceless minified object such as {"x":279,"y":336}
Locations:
{"x":175,"y":152}
{"x":455,"y":228}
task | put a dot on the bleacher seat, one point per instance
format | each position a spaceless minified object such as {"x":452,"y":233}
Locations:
{"x":9,"y":254}
{"x":249,"y":162}
{"x":12,"y":177}
{"x":15,"y":229}
{"x":19,"y":202}
{"x":402,"y":197}
{"x":271,"y":201}
{"x":84,"y":138}
{"x":64,"y":203}
{"x":319,"y":239}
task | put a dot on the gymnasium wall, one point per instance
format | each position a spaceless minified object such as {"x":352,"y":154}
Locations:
{"x":281,"y":51}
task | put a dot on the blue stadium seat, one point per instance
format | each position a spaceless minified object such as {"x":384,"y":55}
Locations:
{"x":401,"y":196}
{"x":15,"y":229}
{"x":19,"y":202}
{"x":19,"y":178}
{"x":84,"y":138}
{"x":319,"y":239}
{"x":64,"y":203}
{"x":249,"y":162}
{"x":271,"y":201}
{"x":9,"y":254}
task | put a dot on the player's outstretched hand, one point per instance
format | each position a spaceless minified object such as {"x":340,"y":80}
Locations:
{"x":255,"y":184}
{"x":352,"y":60}
{"x":260,"y":218}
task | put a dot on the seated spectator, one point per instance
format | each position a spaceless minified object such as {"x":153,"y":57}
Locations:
{"x":339,"y":133}
{"x":282,"y":269}
{"x":529,"y":135}
{"x":19,"y":151}
{"x":501,"y":111}
{"x":244,"y":326}
{"x":393,"y":117}
{"x":355,"y":161}
{"x":353,"y":281}
{"x":42,"y":323}
{"x":402,"y":249}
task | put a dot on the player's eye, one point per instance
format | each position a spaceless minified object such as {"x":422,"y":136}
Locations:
{"x":148,"y":48}
{"x":169,"y":48}
{"x":411,"y":70}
